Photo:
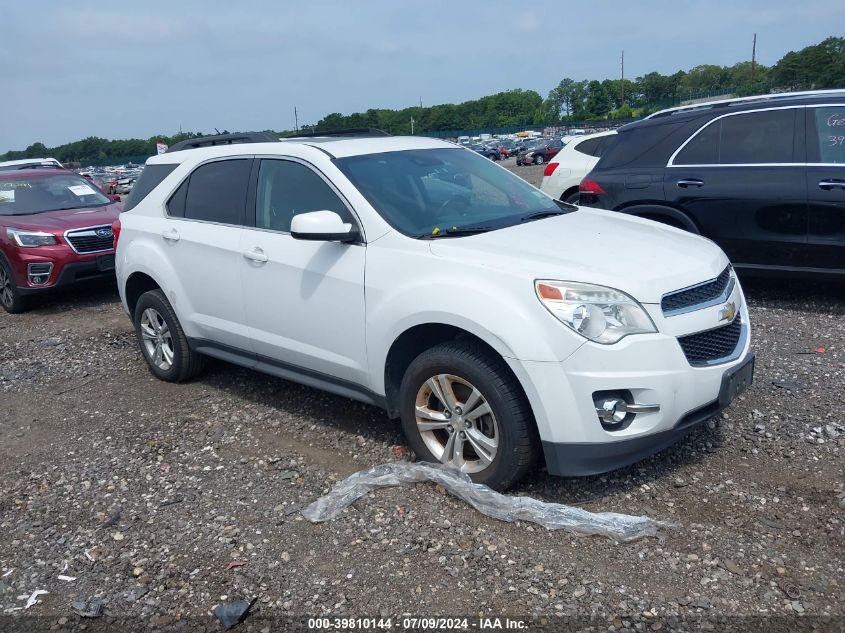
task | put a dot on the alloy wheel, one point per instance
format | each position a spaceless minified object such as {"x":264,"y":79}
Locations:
{"x":6,"y":295}
{"x":456,"y":423}
{"x":158,"y":341}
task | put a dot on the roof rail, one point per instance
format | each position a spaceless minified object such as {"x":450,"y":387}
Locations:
{"x":223,"y":139}
{"x":726,"y":102}
{"x":355,"y":131}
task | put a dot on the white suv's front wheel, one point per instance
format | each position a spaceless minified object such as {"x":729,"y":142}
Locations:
{"x":461,"y":406}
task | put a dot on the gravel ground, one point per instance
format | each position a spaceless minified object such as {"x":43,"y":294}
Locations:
{"x":146,"y":492}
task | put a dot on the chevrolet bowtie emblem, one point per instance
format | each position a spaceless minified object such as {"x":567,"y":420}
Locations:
{"x":728,"y":312}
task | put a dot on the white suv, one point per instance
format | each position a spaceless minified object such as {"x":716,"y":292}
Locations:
{"x":417,"y":276}
{"x":567,"y":169}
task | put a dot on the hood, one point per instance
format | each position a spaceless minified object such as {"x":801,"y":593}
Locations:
{"x":63,"y":220}
{"x":640,"y":257}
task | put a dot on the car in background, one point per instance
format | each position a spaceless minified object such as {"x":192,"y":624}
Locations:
{"x":55,"y":230}
{"x":30,"y":163}
{"x":762,"y":176}
{"x":567,"y":169}
{"x":487,"y":151}
{"x":507,"y":147}
{"x":539,"y":152}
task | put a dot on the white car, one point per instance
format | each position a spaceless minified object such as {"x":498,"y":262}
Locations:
{"x":567,"y":169}
{"x":501,"y":327}
{"x":30,"y":163}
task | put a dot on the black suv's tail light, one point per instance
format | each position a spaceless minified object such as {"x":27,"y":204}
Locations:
{"x":591,"y":187}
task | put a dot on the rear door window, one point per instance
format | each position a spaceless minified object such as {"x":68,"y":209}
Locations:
{"x":217,"y":191}
{"x":766,"y":137}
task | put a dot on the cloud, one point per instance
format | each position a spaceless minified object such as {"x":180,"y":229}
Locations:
{"x":528,"y":22}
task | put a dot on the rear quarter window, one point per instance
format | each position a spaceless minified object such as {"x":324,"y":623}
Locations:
{"x":647,"y":145}
{"x":150,"y":178}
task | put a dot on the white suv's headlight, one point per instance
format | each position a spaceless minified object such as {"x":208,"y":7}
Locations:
{"x":30,"y":239}
{"x":603,"y":315}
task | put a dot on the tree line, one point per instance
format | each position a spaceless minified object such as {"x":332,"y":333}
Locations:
{"x":818,"y":66}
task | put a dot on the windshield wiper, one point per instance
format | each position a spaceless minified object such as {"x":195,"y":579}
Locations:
{"x":539,"y":215}
{"x":456,"y":232}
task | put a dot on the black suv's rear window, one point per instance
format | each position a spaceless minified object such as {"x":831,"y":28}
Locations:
{"x":150,"y":178}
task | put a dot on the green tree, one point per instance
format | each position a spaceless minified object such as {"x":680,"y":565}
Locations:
{"x":819,"y":66}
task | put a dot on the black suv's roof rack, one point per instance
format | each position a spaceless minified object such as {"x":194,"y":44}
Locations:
{"x":224,"y":139}
{"x":355,"y":131}
{"x":725,"y":103}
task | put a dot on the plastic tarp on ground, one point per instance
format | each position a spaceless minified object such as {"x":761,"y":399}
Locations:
{"x":554,"y":516}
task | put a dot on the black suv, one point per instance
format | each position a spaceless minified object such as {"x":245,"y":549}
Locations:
{"x":763,"y":177}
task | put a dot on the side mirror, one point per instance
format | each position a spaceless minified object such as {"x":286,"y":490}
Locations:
{"x":114,"y":197}
{"x":322,"y":226}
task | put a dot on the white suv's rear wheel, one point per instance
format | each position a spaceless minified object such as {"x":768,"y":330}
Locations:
{"x":461,"y":406}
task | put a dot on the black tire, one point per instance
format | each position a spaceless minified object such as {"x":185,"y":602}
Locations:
{"x":186,"y":363}
{"x":518,"y":441}
{"x":573,"y":198}
{"x":10,"y":298}
{"x":539,"y":159}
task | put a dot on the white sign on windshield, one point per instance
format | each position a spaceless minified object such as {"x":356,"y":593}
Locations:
{"x":81,"y":190}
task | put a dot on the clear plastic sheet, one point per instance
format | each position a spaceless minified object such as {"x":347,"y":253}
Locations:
{"x":554,"y":516}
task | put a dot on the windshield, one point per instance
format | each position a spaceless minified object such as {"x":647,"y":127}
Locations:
{"x":430,"y":192}
{"x":26,"y":195}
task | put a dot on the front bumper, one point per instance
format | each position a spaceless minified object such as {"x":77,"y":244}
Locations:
{"x":102,"y":267}
{"x":652,"y":368}
{"x":581,"y":459}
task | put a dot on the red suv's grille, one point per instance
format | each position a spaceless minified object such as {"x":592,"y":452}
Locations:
{"x":96,"y":239}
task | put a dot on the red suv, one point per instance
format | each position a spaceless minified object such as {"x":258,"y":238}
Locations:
{"x":55,"y":230}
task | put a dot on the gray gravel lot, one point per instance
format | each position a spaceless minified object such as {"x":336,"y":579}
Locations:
{"x":147,"y":491}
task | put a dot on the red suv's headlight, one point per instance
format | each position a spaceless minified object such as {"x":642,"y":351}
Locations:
{"x":30,"y":239}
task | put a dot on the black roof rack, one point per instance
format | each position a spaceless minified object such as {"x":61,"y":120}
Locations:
{"x":224,"y":139}
{"x":355,"y":131}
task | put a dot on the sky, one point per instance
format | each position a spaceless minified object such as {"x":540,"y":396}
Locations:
{"x":71,"y":69}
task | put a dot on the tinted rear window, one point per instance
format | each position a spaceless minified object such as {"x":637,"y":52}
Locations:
{"x":150,"y":178}
{"x":217,"y":191}
{"x":590,"y":146}
{"x":648,"y":145}
{"x":743,"y":139}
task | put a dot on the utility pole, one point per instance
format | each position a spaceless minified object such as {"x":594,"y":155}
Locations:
{"x":753,"y":57}
{"x":412,"y":126}
{"x":623,"y":78}
{"x":295,"y":119}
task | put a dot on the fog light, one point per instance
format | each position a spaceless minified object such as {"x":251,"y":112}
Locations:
{"x":39,"y":273}
{"x":616,"y":412}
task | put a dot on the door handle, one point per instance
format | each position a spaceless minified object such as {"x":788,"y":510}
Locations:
{"x":835,"y":183}
{"x":171,"y":236}
{"x":256,"y":255}
{"x":683,"y":183}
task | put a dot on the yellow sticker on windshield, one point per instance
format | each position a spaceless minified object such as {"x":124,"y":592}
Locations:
{"x":436,"y":230}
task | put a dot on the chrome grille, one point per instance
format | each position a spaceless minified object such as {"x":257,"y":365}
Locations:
{"x":698,"y":296}
{"x":96,"y":239}
{"x":703,"y":348}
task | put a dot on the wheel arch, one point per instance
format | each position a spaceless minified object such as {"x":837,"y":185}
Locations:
{"x":414,"y":340}
{"x":137,"y":284}
{"x":661,"y":212}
